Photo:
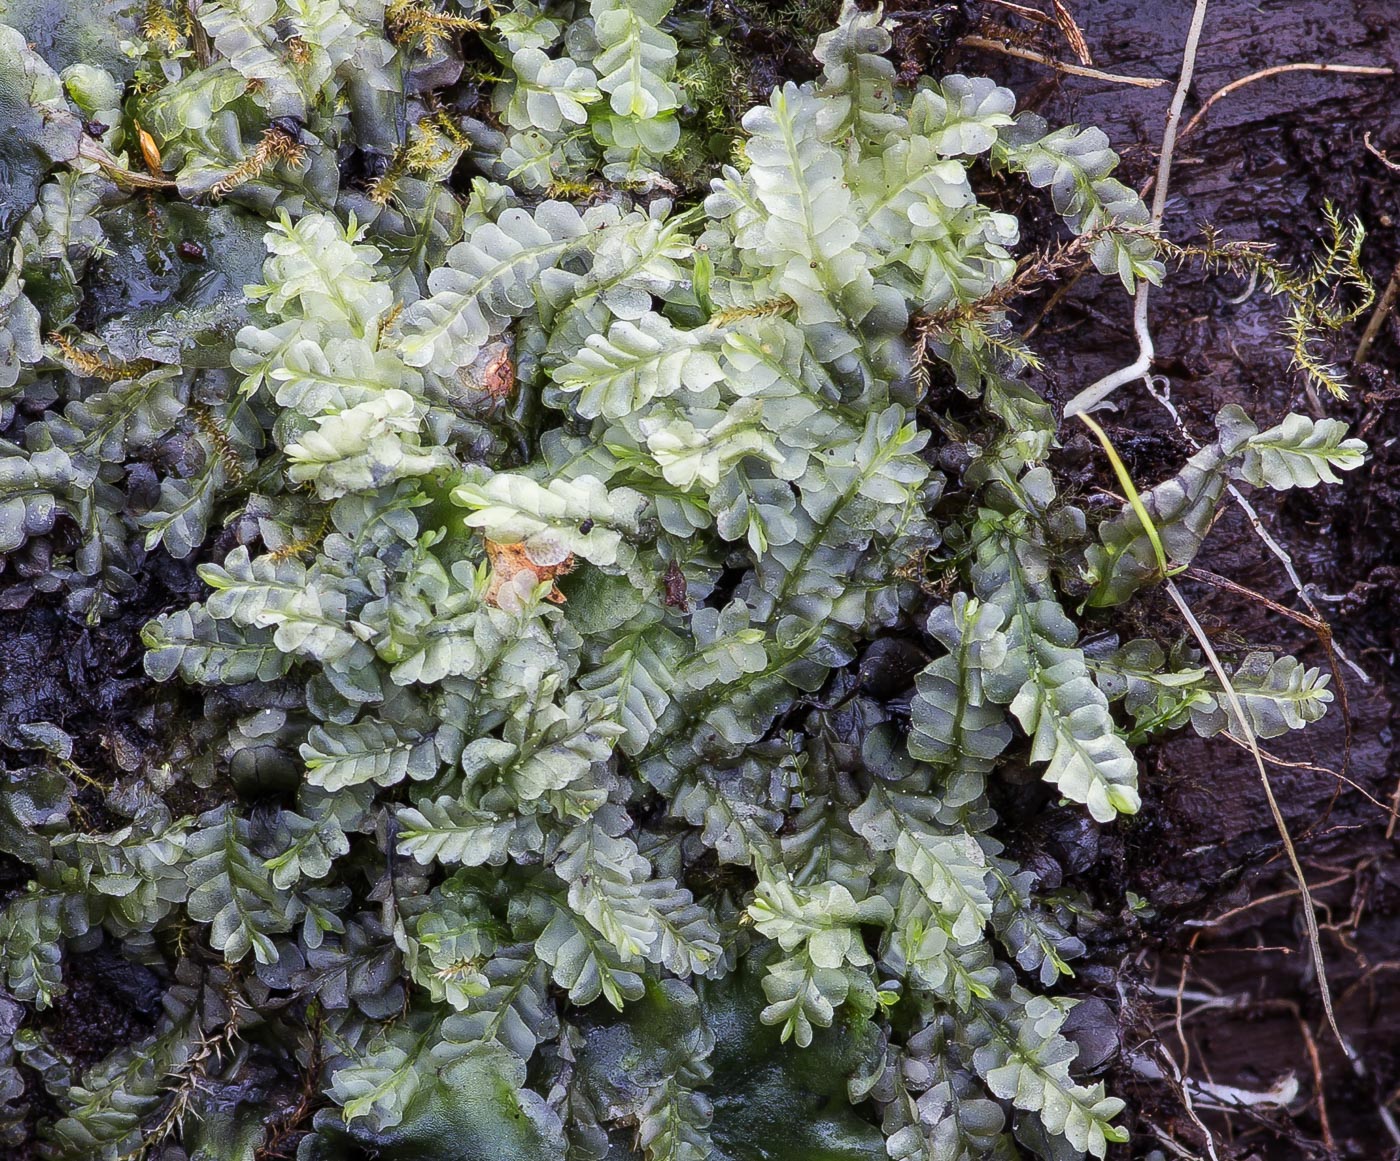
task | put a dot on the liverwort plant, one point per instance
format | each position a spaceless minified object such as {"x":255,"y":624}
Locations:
{"x":550,"y":806}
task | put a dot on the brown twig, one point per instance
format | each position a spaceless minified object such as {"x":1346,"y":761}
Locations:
{"x":1394,"y":808}
{"x":1059,"y":65}
{"x":1364,"y":980}
{"x":1255,"y":949}
{"x":1276,"y":70}
{"x":1328,"y":1141}
{"x":1378,"y":316}
{"x":1263,"y":899}
{"x":91,"y":150}
{"x":1180,"y":991}
{"x":1380,"y":154}
{"x":1313,"y":768}
{"x":199,"y":39}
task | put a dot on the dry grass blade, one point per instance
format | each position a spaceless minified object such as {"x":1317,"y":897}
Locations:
{"x":1032,"y":14}
{"x":1073,"y":34}
{"x":1058,"y":65}
{"x":1309,"y":915}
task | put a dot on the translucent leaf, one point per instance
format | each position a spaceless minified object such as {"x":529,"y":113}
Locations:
{"x":1032,"y":1072}
{"x":132,"y":413}
{"x":824,"y":918}
{"x":516,"y":1009}
{"x":552,"y":521}
{"x":953,"y":722}
{"x":33,"y":927}
{"x":948,"y":865}
{"x":1074,"y":164}
{"x":618,"y":374}
{"x":1064,"y":712}
{"x":191,"y":102}
{"x":962,"y":116}
{"x":1181,"y":508}
{"x":1158,"y":693}
{"x":1299,"y":453}
{"x":366,"y":447}
{"x":547,"y":750}
{"x":585,"y":964}
{"x":232,"y":890}
{"x":242,"y":32}
{"x":1277,"y":695}
{"x":635,"y":57}
{"x":546,"y":94}
{"x":802,"y":224}
{"x":180,"y":518}
{"x":269,"y":593}
{"x":689,"y":939}
{"x":802,"y":997}
{"x":384,"y":1081}
{"x":451,"y":832}
{"x":635,"y":679}
{"x":490,"y":278}
{"x":370,"y":751}
{"x":319,"y":268}
{"x":856,"y":77}
{"x":604,"y":870}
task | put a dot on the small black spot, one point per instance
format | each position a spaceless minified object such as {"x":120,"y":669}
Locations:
{"x":95,"y":128}
{"x":586,"y":527}
{"x":291,"y":126}
{"x":360,"y":167}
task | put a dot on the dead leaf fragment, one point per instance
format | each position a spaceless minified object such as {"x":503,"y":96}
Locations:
{"x":512,"y":567}
{"x":677,"y":592}
{"x":491,"y":373}
{"x":499,"y":376}
{"x":150,"y":151}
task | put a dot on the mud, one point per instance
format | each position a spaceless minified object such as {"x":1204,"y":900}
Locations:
{"x":88,"y":681}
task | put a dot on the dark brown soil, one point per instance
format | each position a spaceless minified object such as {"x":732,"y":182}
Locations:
{"x":1211,"y":977}
{"x":1223,"y":928}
